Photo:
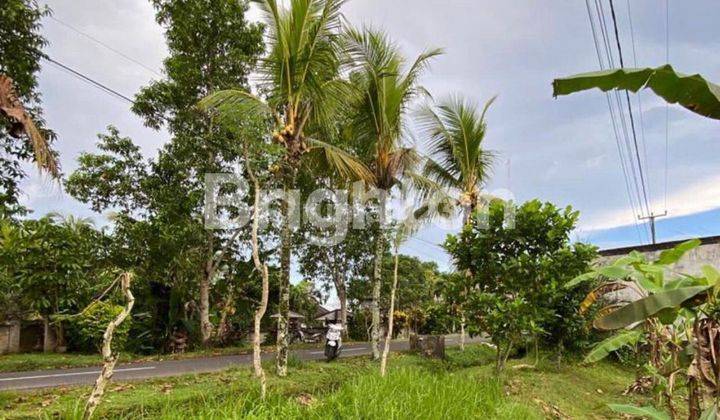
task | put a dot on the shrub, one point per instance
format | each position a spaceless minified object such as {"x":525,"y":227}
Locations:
{"x":85,"y":332}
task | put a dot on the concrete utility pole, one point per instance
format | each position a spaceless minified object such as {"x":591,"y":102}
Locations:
{"x":652,"y":218}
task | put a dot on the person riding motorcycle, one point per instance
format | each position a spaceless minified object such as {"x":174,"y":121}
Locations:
{"x":333,"y":341}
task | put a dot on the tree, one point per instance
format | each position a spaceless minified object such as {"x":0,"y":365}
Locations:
{"x":454,"y":133}
{"x":302,"y":89}
{"x":515,"y":290}
{"x":56,"y":266}
{"x":386,"y":89}
{"x":212,"y":46}
{"x":23,"y":135}
{"x":338,"y":265}
{"x":219,"y":54}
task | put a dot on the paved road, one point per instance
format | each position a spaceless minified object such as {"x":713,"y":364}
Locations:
{"x":144,"y":370}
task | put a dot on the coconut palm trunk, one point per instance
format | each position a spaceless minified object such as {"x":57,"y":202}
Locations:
{"x":284,"y":298}
{"x":391,"y":315}
{"x":376,"y":289}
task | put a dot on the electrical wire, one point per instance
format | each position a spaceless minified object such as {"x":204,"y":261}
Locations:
{"x":89,"y":80}
{"x":616,"y":132}
{"x":638,"y":96}
{"x":629,"y":108}
{"x":104,"y":45}
{"x":667,"y":105}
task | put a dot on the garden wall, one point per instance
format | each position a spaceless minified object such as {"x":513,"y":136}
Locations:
{"x":707,"y":253}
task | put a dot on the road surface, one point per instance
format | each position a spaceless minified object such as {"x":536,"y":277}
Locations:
{"x":145,"y":370}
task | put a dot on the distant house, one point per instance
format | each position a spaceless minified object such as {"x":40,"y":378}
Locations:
{"x":331,"y":316}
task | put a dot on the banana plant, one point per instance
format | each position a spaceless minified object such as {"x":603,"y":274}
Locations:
{"x":676,"y":317}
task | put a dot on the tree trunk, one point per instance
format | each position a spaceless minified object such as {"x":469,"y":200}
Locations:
{"x":206,"y":327}
{"x":342,"y":296}
{"x":262,"y":268}
{"x":341,"y":291}
{"x":376,"y":288}
{"x":391,"y":316}
{"x":109,"y":358}
{"x":284,"y":301}
{"x":462,"y":330}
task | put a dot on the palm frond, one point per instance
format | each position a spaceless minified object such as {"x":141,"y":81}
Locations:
{"x":232,"y":105}
{"x":454,"y":131}
{"x":22,"y":122}
{"x":335,"y":159}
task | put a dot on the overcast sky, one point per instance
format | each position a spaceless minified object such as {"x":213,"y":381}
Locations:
{"x":561,"y":150}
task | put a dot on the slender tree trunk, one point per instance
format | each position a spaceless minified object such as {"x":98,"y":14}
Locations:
{"x":109,"y":358}
{"x":206,"y":327}
{"x":342,"y":296}
{"x":341,"y":291}
{"x":376,"y":288}
{"x":462,"y":330}
{"x":391,"y":316}
{"x":262,"y":268}
{"x":284,"y":302}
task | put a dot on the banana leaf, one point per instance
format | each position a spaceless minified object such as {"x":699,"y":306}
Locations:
{"x":647,"y":307}
{"x":692,"y":92}
{"x":673,"y":255}
{"x":610,"y":344}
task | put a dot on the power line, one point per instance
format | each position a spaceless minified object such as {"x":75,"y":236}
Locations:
{"x":639,"y":94}
{"x":629,"y":108}
{"x":102,"y":44}
{"x":667,"y":105}
{"x":89,"y":80}
{"x":618,"y":102}
{"x":593,"y":30}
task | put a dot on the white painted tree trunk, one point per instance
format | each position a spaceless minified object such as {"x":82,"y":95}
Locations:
{"x":376,"y":289}
{"x":462,"y":330}
{"x":109,"y":358}
{"x":391,"y":316}
{"x":262,"y":268}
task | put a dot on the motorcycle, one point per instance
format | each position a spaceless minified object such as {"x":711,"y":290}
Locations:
{"x":333,"y":342}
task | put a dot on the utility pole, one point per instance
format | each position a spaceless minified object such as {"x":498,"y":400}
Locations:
{"x":652,"y":218}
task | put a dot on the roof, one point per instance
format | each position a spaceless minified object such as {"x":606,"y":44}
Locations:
{"x":292,"y":315}
{"x":333,"y":314}
{"x":655,"y":247}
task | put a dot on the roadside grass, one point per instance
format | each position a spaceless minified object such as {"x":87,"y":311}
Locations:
{"x":39,"y":361}
{"x":463,"y":386}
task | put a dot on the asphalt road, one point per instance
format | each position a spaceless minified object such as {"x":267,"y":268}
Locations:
{"x":145,"y":370}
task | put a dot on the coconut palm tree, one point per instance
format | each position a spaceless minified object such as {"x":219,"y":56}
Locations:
{"x":301,"y":90}
{"x":386,"y":88}
{"x":454,"y":131}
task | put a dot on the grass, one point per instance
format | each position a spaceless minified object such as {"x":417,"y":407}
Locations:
{"x":463,"y":386}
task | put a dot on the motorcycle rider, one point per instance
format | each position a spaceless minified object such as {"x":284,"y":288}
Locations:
{"x":333,"y":341}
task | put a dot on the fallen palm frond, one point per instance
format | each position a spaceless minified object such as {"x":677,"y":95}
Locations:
{"x":21,"y":122}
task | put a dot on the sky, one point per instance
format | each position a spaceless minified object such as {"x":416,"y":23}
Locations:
{"x":560,"y":150}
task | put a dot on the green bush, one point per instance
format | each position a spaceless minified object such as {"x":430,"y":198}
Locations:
{"x":85,"y":332}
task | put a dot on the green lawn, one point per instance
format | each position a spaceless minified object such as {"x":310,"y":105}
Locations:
{"x":461,"y":387}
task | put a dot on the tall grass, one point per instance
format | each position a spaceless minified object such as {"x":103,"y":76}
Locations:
{"x":409,"y":393}
{"x":406,"y":393}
